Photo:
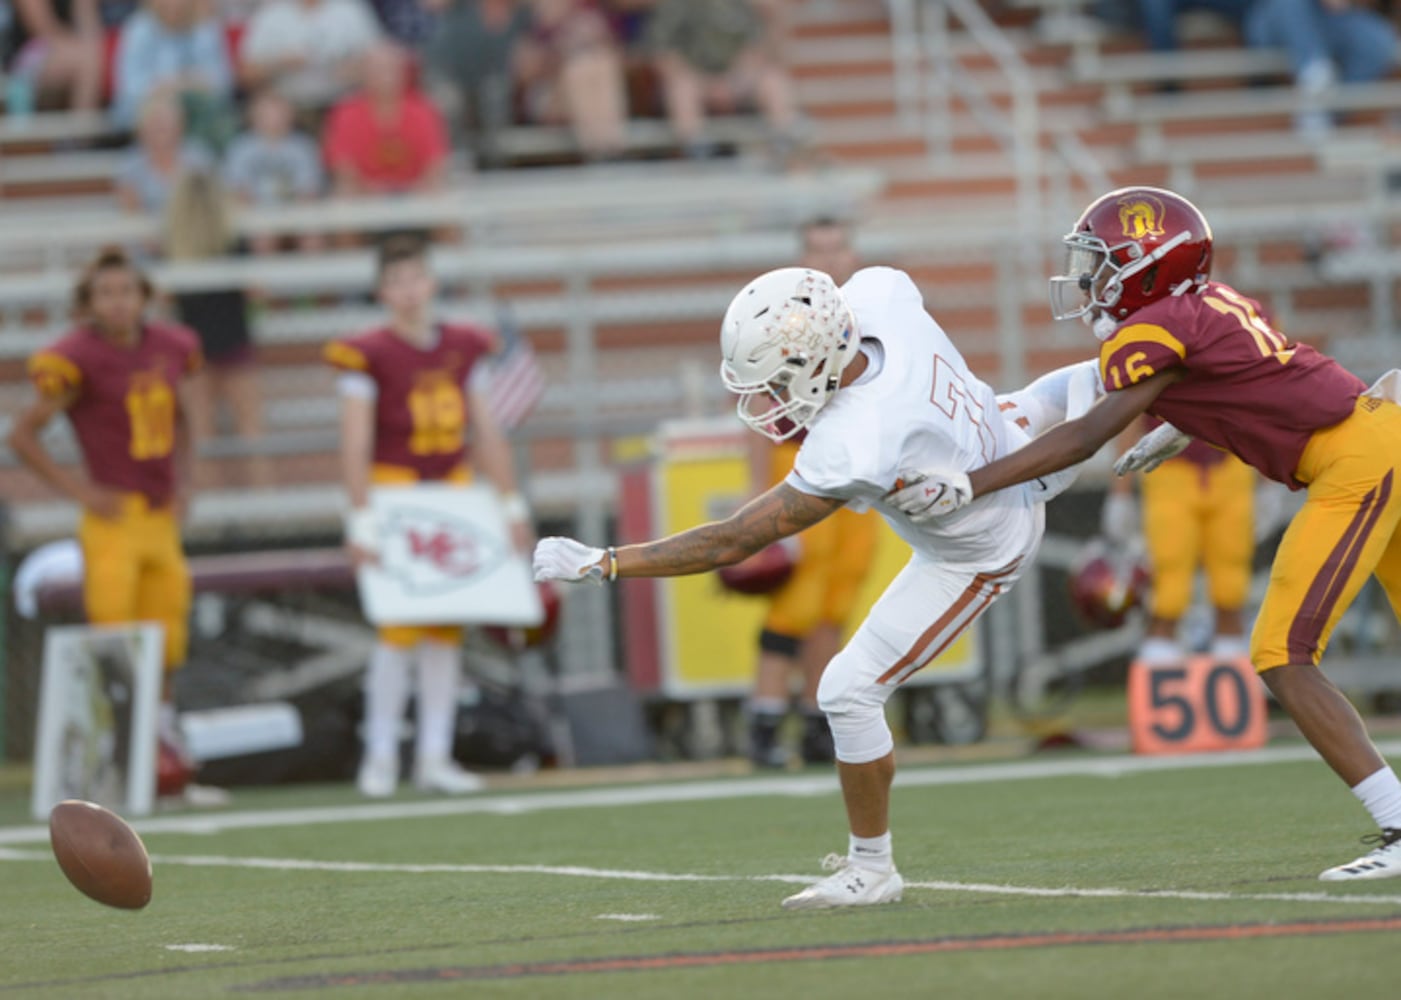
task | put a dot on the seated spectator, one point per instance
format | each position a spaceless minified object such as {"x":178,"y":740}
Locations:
{"x":308,"y":49}
{"x":273,"y":164}
{"x":198,"y":226}
{"x":408,"y":22}
{"x":572,"y":70}
{"x":470,"y":60}
{"x":175,"y":45}
{"x":717,"y":52}
{"x":1159,"y":18}
{"x":1327,"y":41}
{"x":386,"y":139}
{"x":162,"y":154}
{"x":58,"y":50}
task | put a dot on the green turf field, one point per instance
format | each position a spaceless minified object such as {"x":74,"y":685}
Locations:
{"x":1069,"y":875}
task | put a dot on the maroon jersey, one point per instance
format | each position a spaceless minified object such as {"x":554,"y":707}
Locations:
{"x":126,"y":405}
{"x":421,"y":396}
{"x":1247,"y":389}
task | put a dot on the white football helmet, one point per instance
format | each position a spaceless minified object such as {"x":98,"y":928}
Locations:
{"x":786,"y":339}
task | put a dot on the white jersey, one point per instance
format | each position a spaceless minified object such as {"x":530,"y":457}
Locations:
{"x":916,"y":407}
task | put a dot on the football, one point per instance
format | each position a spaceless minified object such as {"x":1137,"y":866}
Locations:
{"x":100,"y":854}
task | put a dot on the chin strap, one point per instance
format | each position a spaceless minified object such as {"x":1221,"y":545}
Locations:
{"x":1104,"y":326}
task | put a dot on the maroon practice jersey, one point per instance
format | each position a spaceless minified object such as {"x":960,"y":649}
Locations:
{"x":421,"y":396}
{"x":1247,"y":388}
{"x":125,"y":409}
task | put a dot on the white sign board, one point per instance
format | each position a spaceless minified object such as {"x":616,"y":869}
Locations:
{"x":445,"y":558}
{"x":98,"y":699}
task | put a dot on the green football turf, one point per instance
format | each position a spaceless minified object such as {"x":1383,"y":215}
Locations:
{"x":992,"y":912}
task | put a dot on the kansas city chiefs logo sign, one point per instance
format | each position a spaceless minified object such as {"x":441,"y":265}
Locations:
{"x":428,"y":552}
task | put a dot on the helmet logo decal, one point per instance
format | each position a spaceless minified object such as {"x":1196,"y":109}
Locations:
{"x":1141,"y":215}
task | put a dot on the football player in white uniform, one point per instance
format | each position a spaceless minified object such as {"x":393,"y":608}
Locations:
{"x":881,"y":390}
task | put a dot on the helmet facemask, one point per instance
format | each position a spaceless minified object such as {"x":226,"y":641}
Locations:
{"x":1093,"y":280}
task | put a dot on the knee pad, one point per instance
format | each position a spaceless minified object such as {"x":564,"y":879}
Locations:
{"x":854,"y":704}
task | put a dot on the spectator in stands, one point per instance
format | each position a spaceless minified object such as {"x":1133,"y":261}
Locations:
{"x":198,"y":227}
{"x":58,"y":51}
{"x":122,"y":382}
{"x":1159,"y":18}
{"x":274,"y":164}
{"x":308,"y":49}
{"x":388,"y":138}
{"x":803,"y":626}
{"x":161,"y":156}
{"x":411,"y":393}
{"x":470,"y":59}
{"x":408,"y":22}
{"x":718,"y":52}
{"x":571,"y":68}
{"x":176,"y":45}
{"x":1328,"y":41}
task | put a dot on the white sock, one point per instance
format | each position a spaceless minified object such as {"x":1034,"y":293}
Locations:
{"x":768,"y":706}
{"x":438,"y":667}
{"x":1155,"y":650}
{"x":1380,"y":792}
{"x":386,"y":693}
{"x":1230,"y":646}
{"x":871,"y":852}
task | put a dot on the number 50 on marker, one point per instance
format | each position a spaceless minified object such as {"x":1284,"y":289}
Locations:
{"x":1205,"y":703}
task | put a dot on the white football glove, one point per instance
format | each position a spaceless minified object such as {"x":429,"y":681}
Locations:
{"x":1152,"y":450}
{"x":568,"y":561}
{"x":929,"y":495}
{"x":1118,"y":518}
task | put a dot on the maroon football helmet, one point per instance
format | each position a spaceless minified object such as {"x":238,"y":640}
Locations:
{"x":1131,"y":247}
{"x":762,"y":573}
{"x":1105,"y":585}
{"x":518,"y":637}
{"x":173,"y":769}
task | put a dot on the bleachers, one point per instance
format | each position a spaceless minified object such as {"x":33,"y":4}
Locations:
{"x":618,"y":274}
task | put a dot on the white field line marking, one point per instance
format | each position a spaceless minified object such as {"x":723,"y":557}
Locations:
{"x":582,"y":871}
{"x":520,"y":803}
{"x":628,"y":918}
{"x":194,"y":948}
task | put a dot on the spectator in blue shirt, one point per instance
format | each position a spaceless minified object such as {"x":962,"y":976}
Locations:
{"x":175,"y":45}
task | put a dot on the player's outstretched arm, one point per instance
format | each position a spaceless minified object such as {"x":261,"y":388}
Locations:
{"x":778,"y":513}
{"x":1074,"y":441}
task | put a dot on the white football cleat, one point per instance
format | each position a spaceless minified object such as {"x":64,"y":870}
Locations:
{"x":852,"y":885}
{"x":378,"y":777}
{"x":1383,"y":861}
{"x":445,"y":776}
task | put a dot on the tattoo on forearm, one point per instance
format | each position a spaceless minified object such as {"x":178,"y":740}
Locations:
{"x":780,"y":512}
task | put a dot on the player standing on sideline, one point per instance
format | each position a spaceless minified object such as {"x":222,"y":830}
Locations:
{"x":1197,"y":512}
{"x":803,"y":626}
{"x":879,"y":388}
{"x":122,"y":382}
{"x":1197,"y":353}
{"x":411,"y":394}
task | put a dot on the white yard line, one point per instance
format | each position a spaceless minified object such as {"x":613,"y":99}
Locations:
{"x":689,"y":791}
{"x":625,"y":875}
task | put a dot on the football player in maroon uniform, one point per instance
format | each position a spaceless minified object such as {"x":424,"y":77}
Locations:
{"x":122,"y":382}
{"x":411,"y":395}
{"x":1199,"y":355}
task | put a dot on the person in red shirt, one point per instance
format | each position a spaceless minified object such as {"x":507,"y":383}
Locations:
{"x":388,"y":138}
{"x":411,"y":394}
{"x":1199,"y":355}
{"x":122,"y":382}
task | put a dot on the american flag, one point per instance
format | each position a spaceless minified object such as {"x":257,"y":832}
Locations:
{"x":516,"y":379}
